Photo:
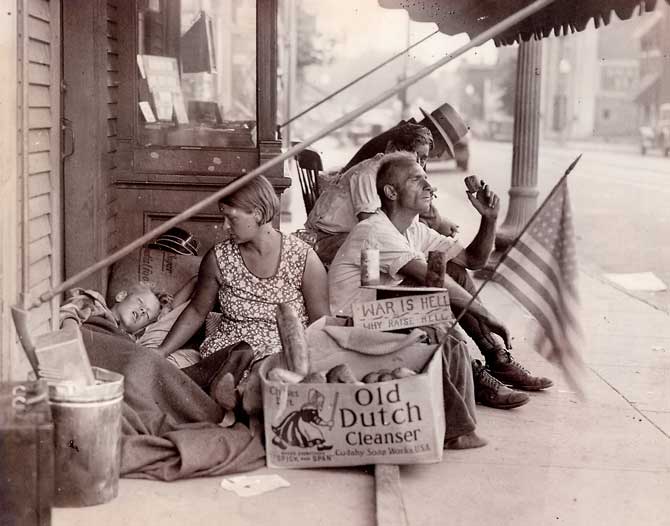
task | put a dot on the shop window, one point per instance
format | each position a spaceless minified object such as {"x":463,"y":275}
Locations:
{"x":196,"y":66}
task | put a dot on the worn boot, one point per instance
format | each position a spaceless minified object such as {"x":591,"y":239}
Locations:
{"x":505,"y":368}
{"x":491,"y":392}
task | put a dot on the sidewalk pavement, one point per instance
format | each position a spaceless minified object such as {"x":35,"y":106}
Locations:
{"x":604,"y":460}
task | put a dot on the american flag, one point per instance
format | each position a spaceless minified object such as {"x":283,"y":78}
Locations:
{"x":540,"y":271}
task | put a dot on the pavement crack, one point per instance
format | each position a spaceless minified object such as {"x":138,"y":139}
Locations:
{"x":631,"y":404}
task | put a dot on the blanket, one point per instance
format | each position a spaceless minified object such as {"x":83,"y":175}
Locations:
{"x":170,"y":425}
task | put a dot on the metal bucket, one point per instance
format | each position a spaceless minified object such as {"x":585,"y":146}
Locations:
{"x":87,"y":440}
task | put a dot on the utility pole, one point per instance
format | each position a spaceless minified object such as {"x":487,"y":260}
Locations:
{"x":402,"y":95}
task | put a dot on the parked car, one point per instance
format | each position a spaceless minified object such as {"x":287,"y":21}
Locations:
{"x":657,"y":137}
{"x":461,"y":152}
{"x":500,"y":129}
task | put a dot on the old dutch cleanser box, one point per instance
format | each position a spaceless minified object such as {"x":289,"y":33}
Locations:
{"x":394,"y":422}
{"x":26,"y":454}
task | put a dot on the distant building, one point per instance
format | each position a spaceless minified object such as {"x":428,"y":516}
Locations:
{"x":600,"y":82}
{"x":569,"y":85}
{"x":592,"y":80}
{"x":653,"y":38}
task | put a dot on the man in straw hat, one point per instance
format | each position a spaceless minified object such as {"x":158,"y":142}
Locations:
{"x":351,"y":195}
{"x":446,"y":128}
{"x":404,"y":244}
{"x":445,"y":124}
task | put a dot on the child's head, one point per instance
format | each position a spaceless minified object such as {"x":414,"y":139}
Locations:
{"x":139,"y":306}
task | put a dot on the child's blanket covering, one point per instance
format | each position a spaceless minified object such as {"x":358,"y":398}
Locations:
{"x":170,"y":426}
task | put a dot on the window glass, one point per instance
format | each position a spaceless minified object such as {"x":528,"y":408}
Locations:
{"x":196,"y":64}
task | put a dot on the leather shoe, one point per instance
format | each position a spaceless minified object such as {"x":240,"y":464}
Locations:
{"x":493,"y":393}
{"x":468,"y":441}
{"x":505,"y":368}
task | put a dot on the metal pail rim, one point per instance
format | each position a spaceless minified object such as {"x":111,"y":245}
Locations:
{"x":108,"y":386}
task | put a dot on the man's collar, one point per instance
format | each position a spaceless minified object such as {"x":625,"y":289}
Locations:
{"x":400,"y":219}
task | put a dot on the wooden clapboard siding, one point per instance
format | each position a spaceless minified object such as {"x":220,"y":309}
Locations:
{"x":39,"y":206}
{"x":40,"y":248}
{"x":40,"y":77}
{"x":112,"y":125}
{"x":9,"y":185}
{"x":39,"y":140}
{"x":39,"y":74}
{"x":31,"y":220}
{"x":40,"y":271}
{"x":39,"y":184}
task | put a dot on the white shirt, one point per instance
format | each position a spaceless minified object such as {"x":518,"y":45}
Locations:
{"x":395,"y":251}
{"x":344,"y":197}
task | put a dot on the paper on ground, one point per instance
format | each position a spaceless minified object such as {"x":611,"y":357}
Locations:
{"x":647,"y":281}
{"x":251,"y":485}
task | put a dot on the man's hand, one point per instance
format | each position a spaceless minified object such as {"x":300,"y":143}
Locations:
{"x":498,"y":328}
{"x":448,"y":228}
{"x":434,"y":220}
{"x":485,"y":201}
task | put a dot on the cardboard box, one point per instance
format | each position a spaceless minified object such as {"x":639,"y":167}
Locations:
{"x":328,"y":425}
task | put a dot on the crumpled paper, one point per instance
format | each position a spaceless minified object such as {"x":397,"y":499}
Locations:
{"x":252,"y":485}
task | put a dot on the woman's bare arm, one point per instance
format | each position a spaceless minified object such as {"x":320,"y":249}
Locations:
{"x":202,"y":303}
{"x":315,"y":287}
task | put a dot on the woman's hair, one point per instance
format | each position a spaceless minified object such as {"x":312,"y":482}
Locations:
{"x":257,"y":194}
{"x":407,"y":137}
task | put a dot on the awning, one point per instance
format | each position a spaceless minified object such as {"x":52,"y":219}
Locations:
{"x":561,"y":17}
{"x":647,"y":82}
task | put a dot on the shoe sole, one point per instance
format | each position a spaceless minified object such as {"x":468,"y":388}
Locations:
{"x":531,"y":388}
{"x":506,"y":406}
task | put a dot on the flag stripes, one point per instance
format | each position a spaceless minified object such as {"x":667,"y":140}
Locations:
{"x":540,"y":271}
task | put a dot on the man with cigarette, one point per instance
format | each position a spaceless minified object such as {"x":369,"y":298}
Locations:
{"x":404,"y":244}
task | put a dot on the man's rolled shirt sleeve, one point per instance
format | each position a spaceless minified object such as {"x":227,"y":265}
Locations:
{"x":363,"y":185}
{"x":393,"y":258}
{"x":429,"y":240}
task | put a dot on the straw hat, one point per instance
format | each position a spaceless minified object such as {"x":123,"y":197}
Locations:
{"x":177,"y":240}
{"x":448,"y":124}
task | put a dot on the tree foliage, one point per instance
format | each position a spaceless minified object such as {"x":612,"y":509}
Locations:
{"x":314,"y":49}
{"x":506,"y":82}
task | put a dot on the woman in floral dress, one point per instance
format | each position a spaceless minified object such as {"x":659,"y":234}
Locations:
{"x":250,"y":273}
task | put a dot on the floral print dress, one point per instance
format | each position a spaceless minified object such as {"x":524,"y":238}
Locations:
{"x":248,"y":303}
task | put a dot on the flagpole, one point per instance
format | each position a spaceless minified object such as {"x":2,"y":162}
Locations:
{"x":516,"y":239}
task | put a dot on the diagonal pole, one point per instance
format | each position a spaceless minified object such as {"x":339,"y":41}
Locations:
{"x":357,"y":79}
{"x":291,"y":152}
{"x":513,"y":244}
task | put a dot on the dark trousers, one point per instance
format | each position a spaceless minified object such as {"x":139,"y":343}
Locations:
{"x":235,"y":359}
{"x":479,"y":332}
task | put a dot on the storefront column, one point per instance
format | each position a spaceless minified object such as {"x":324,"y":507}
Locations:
{"x":523,"y":191}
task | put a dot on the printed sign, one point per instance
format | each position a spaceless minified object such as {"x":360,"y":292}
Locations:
{"x":394,"y":422}
{"x":403,"y":313}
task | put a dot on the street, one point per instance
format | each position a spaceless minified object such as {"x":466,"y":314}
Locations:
{"x":619,"y":201}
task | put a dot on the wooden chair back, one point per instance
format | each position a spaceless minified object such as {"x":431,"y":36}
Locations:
{"x":309,"y":165}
